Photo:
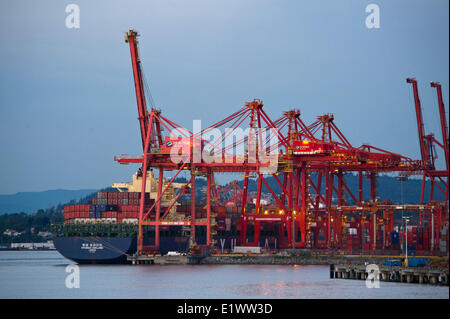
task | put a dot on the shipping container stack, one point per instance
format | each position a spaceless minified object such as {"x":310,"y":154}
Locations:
{"x":223,"y":217}
{"x":114,"y":207}
{"x":419,"y":240}
{"x":76,"y":211}
{"x":352,"y":237}
{"x":395,"y":241}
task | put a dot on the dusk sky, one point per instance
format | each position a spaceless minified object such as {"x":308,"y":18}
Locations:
{"x":67,"y":100}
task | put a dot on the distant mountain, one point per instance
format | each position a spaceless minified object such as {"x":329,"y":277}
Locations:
{"x":388,"y":188}
{"x":30,"y":202}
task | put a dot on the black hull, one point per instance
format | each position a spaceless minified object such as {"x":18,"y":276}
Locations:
{"x":96,"y":250}
{"x":114,"y":250}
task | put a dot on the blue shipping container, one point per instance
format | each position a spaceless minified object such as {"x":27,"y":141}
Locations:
{"x":395,"y":238}
{"x":392,"y":263}
{"x":100,"y":208}
{"x":111,"y":208}
{"x":417,"y":262}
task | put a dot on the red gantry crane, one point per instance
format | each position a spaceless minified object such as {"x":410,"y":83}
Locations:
{"x":315,"y":208}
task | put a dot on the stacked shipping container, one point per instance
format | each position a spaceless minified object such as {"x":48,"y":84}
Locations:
{"x":108,"y":206}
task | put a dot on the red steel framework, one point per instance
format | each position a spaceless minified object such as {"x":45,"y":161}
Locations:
{"x":427,"y":145}
{"x":306,"y":202}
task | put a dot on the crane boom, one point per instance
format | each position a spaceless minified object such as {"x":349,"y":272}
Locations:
{"x":131,"y":38}
{"x":423,"y":148}
{"x":444,"y":128}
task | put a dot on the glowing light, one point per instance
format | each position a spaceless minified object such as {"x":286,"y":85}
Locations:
{"x":305,"y":142}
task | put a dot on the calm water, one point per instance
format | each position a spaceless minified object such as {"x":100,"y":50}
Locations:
{"x":34,"y":274}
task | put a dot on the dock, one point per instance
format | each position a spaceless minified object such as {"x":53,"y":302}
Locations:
{"x":420,"y":275}
{"x":158,"y":260}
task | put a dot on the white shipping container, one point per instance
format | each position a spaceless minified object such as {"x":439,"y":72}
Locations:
{"x":245,"y":249}
{"x":130,"y":221}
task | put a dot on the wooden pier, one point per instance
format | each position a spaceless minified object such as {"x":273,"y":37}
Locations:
{"x":420,"y":275}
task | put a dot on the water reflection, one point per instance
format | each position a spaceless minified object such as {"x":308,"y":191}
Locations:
{"x":42,"y":275}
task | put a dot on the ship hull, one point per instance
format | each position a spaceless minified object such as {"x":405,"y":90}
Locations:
{"x":114,"y":250}
{"x":96,"y":250}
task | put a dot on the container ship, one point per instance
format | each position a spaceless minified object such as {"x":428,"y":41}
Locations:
{"x":105,"y":231}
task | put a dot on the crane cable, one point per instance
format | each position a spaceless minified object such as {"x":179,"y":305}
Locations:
{"x":148,"y":94}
